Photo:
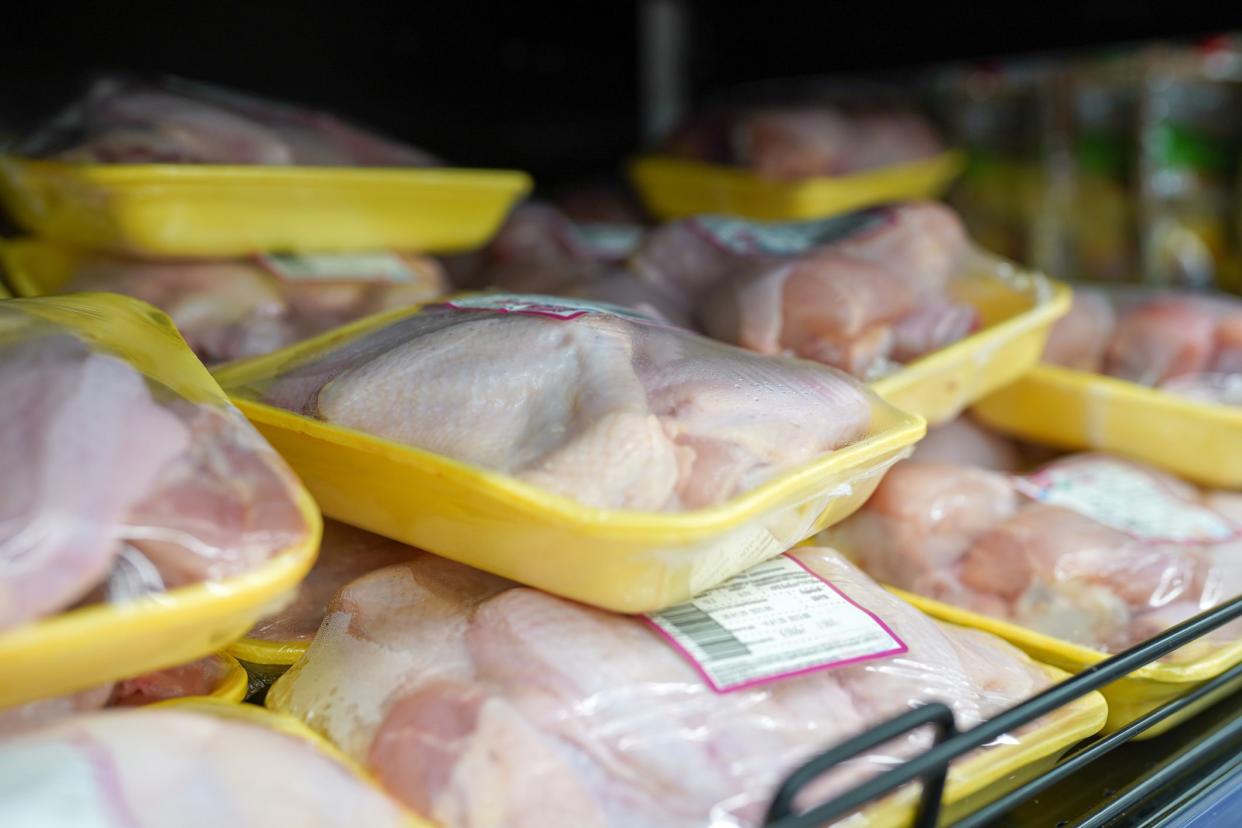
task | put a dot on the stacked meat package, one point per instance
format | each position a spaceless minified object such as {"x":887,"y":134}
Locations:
{"x":626,"y":520}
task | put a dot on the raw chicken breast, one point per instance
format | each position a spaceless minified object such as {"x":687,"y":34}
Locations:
{"x":852,"y":292}
{"x":1188,"y":344}
{"x":791,"y":142}
{"x":83,"y":445}
{"x":1076,"y":572}
{"x":229,"y":309}
{"x":962,"y":441}
{"x":160,"y":767}
{"x":1079,"y":339}
{"x":494,"y":705}
{"x":345,"y":553}
{"x":607,"y":409}
{"x":178,"y":122}
{"x":114,"y":486}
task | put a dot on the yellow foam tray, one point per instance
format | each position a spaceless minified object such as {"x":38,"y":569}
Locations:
{"x":90,"y":645}
{"x":1018,"y":310}
{"x":1140,"y":692}
{"x":621,"y":560}
{"x":209,"y":210}
{"x":1074,"y":409}
{"x":673,"y":188}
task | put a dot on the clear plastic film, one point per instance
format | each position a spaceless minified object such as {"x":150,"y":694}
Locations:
{"x":140,"y":768}
{"x":489,"y":704}
{"x":172,"y":121}
{"x":345,"y":553}
{"x":600,"y":405}
{"x":1090,"y":549}
{"x":131,"y":481}
{"x":233,"y":308}
{"x":1189,"y":344}
{"x":218,"y":676}
{"x":802,"y":137}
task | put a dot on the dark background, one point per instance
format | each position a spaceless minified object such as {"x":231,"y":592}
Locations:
{"x":551,"y":88}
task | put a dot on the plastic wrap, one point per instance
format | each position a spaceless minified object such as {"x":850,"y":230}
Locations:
{"x":488,"y":704}
{"x":964,"y":442}
{"x":232,"y":308}
{"x":186,"y":764}
{"x":1185,"y":343}
{"x":797,"y":141}
{"x":1091,"y":549}
{"x":131,"y":481}
{"x":173,"y":121}
{"x":218,"y":676}
{"x":577,"y":447}
{"x":346,"y":553}
{"x":183,"y":170}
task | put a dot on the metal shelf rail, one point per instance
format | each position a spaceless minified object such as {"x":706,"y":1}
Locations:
{"x":931,"y":766}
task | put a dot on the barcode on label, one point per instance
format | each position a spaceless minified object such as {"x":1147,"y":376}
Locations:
{"x":706,"y":632}
{"x":776,"y":620}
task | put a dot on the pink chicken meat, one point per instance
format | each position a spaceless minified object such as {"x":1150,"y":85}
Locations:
{"x":496,"y":705}
{"x":230,"y":309}
{"x":973,"y":537}
{"x":610,"y":410}
{"x":1184,"y":343}
{"x":107,"y":471}
{"x":159,"y":767}
{"x":856,"y":292}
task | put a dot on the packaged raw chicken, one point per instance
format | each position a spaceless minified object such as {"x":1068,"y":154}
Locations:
{"x":540,"y":250}
{"x":218,"y":676}
{"x":489,"y":704}
{"x":232,"y":308}
{"x":345,"y":553}
{"x":1091,"y":549}
{"x":199,"y":766}
{"x":130,"y":480}
{"x":585,"y":400}
{"x":805,"y":140}
{"x":964,"y":442}
{"x":174,"y":121}
{"x":863,"y":292}
{"x":571,"y":445}
{"x":1186,"y":343}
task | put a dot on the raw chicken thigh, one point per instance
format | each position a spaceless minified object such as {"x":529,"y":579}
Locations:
{"x":966,"y":443}
{"x":229,"y":309}
{"x":179,"y":122}
{"x":344,"y":554}
{"x":804,"y":141}
{"x":1091,"y":549}
{"x":114,"y":486}
{"x":164,"y":766}
{"x":1184,"y":343}
{"x":857,"y":292}
{"x":489,"y":704}
{"x":608,"y":409}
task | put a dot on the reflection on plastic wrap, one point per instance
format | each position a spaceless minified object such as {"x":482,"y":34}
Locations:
{"x":573,"y":716}
{"x":112,"y":768}
{"x":1091,"y":549}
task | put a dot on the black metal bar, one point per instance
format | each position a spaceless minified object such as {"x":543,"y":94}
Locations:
{"x":1095,"y":750}
{"x":1183,"y":761}
{"x":936,"y":758}
{"x":936,"y":714}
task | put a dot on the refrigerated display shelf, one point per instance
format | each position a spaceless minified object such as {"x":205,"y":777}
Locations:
{"x":1168,"y":777}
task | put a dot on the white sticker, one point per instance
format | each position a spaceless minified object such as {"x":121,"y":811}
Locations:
{"x":51,"y":785}
{"x":338,"y":267}
{"x":607,"y":241}
{"x":774,"y":621}
{"x":786,"y":238}
{"x":554,"y":307}
{"x":1125,"y":498}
